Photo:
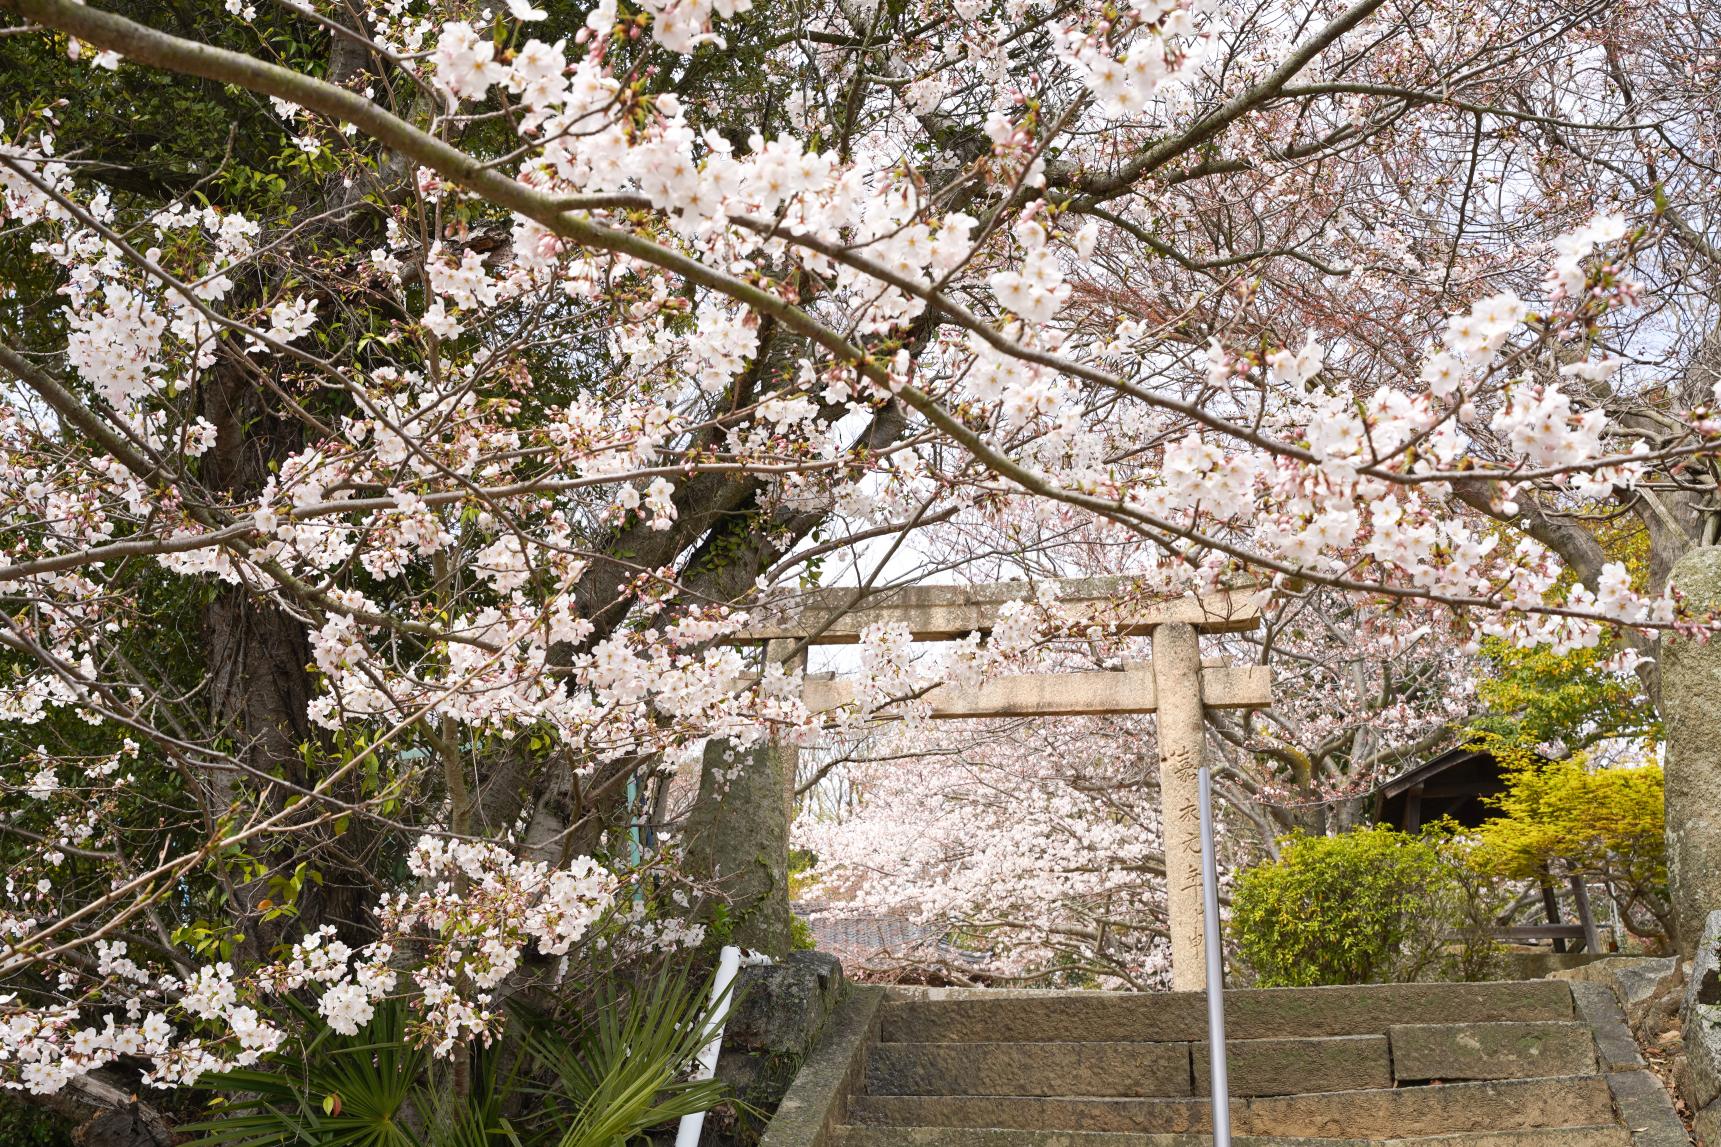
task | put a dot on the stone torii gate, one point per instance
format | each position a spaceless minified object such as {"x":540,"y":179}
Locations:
{"x":1175,"y":685}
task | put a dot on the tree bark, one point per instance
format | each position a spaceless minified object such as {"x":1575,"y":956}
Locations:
{"x":108,"y":1113}
{"x":737,"y":840}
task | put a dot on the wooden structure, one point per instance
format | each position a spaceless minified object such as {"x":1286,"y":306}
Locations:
{"x":1175,"y":685}
{"x":1457,"y":784}
{"x":1452,"y":784}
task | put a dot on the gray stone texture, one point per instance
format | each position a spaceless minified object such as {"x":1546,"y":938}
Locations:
{"x":1182,"y":735}
{"x":1691,"y":713}
{"x":1510,"y":1105}
{"x":1707,"y":1124}
{"x":1598,"y":1006}
{"x":1490,"y":1051}
{"x":817,"y":1100}
{"x":1703,"y":983}
{"x":1293,"y":1066}
{"x":1703,"y":1056}
{"x":737,"y":838}
{"x":1112,"y":1069}
{"x":1646,"y":1108}
{"x":781,"y":1007}
{"x":958,"y":1015}
{"x":1701,"y":1082}
{"x":779,"y":1012}
{"x":1310,"y":1068}
{"x":861,"y":1136}
{"x":1637,"y":981}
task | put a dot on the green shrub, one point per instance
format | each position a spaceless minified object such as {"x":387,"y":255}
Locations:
{"x":1370,"y":906}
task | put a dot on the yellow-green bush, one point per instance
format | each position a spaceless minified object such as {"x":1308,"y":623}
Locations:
{"x":1563,"y":818}
{"x":1370,"y":906}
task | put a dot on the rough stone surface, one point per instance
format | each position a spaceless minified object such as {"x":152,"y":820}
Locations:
{"x":1290,"y":1066}
{"x":1707,"y":1124}
{"x":1034,"y":1114}
{"x":1700,"y":1083}
{"x":1638,"y":981}
{"x":738,"y":839}
{"x":859,"y":1136}
{"x":1703,"y":983}
{"x":779,"y":1011}
{"x":1642,"y":984}
{"x":1647,"y":1109}
{"x":1182,"y":737}
{"x":1114,"y":1069}
{"x":1491,"y":1051}
{"x":951,"y":612}
{"x":939,"y":1015}
{"x":816,"y":1101}
{"x":1522,"y":965}
{"x":1703,"y":1056}
{"x":781,"y":1007}
{"x":938,"y":1067}
{"x":1599,"y":1007}
{"x":1690,"y":701}
{"x":1509,"y":1105}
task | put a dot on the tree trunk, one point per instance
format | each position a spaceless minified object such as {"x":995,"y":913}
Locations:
{"x":107,"y":1111}
{"x":738,"y":841}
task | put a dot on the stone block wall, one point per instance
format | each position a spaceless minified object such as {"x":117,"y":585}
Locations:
{"x":780,"y":1010}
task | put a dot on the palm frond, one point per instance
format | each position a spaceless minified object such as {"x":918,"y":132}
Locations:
{"x":339,"y":1091}
{"x":627,"y":1072}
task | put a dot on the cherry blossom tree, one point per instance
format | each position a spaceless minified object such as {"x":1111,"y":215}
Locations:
{"x":1022,"y":852}
{"x":377,"y":508}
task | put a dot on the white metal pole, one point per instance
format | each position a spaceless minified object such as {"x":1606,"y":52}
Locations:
{"x":729,"y":962}
{"x":1214,"y":943}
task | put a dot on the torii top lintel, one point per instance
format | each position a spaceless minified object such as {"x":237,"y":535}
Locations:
{"x":836,"y":615}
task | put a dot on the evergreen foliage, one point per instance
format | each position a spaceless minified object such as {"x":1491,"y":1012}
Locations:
{"x":1371,"y":906}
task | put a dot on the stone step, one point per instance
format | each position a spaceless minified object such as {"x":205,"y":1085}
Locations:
{"x":1032,"y":1069}
{"x":1260,"y":1067}
{"x":1448,"y":1109}
{"x":990,"y":1015}
{"x":1491,"y":1050}
{"x":854,"y":1135}
{"x":1257,"y":1067}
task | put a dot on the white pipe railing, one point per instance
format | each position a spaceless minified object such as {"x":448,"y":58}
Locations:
{"x":729,"y":961}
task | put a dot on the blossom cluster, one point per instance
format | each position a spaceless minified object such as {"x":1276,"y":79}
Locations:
{"x":479,"y":910}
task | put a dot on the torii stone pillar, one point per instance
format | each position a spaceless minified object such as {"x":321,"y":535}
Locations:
{"x":1691,"y":708}
{"x":1182,"y":741}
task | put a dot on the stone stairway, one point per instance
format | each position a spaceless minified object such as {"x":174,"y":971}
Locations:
{"x":1535,"y":1064}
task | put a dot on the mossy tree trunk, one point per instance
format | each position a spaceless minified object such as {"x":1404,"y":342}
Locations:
{"x":738,"y":840}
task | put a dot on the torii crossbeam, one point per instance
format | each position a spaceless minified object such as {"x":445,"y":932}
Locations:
{"x":1174,"y":685}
